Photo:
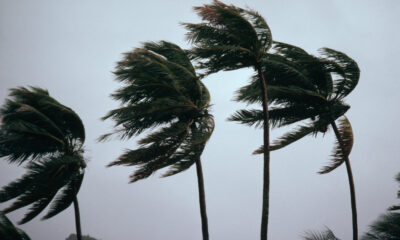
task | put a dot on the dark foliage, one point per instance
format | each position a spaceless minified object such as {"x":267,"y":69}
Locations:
{"x":162,"y":93}
{"x":37,"y":128}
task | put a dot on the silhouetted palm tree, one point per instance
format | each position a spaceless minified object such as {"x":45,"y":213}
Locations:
{"x":231,"y":38}
{"x":9,"y":232}
{"x":312,"y":89}
{"x":36,"y":128}
{"x":161,"y":90}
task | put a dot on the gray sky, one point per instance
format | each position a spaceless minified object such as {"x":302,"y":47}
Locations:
{"x":70,"y":48}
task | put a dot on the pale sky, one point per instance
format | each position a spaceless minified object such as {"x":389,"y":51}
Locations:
{"x":70,"y":48}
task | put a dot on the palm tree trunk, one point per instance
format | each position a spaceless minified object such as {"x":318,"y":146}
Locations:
{"x":202,"y":200}
{"x":265,"y":204}
{"x":351,"y":183}
{"x":77,"y":219}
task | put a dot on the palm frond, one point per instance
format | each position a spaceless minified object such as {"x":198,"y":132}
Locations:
{"x":396,"y":207}
{"x":251,"y":117}
{"x":298,"y":133}
{"x":345,"y":67}
{"x":340,"y":153}
{"x":40,"y":184}
{"x":9,"y":232}
{"x":386,"y":227}
{"x":324,"y":235}
{"x":278,"y":117}
{"x":66,"y":197}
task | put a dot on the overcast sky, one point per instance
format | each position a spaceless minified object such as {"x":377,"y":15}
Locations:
{"x":70,"y":48}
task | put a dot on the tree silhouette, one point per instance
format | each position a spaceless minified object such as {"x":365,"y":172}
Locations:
{"x":38,"y":129}
{"x":311,"y":90}
{"x":162,"y":93}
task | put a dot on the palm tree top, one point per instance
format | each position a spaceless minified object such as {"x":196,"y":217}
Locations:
{"x":33,"y":125}
{"x":161,"y":91}
{"x":303,"y":88}
{"x":228,"y":38}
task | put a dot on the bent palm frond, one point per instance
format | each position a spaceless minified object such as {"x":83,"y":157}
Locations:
{"x":9,"y":232}
{"x":341,"y":152}
{"x":39,"y":186}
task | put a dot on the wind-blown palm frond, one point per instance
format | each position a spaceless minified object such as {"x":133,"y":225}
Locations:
{"x":386,"y":227}
{"x":324,"y":235}
{"x":340,"y":153}
{"x":161,"y":90}
{"x":41,"y":183}
{"x":343,"y":66}
{"x":396,"y":207}
{"x":291,"y":137}
{"x":9,"y":232}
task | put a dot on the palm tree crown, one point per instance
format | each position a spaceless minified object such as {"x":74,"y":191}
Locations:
{"x":303,"y":87}
{"x":36,"y":128}
{"x":229,"y":38}
{"x":161,"y":90}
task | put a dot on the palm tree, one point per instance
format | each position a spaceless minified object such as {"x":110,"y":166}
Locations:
{"x":161,"y":90}
{"x":36,"y":128}
{"x":231,"y":38}
{"x":9,"y":232}
{"x":313,"y":89}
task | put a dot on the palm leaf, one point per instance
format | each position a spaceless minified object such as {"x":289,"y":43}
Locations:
{"x":9,"y":232}
{"x":345,"y":67}
{"x":340,"y":153}
{"x":40,"y":184}
{"x":66,"y":197}
{"x":293,"y":136}
{"x":324,"y":235}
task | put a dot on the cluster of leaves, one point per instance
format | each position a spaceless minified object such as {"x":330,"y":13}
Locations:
{"x":38,"y":129}
{"x":161,"y":90}
{"x":303,"y":89}
{"x":323,"y":235}
{"x":388,"y":225}
{"x":229,"y":37}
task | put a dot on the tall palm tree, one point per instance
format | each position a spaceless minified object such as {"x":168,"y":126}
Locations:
{"x":38,"y":129}
{"x":161,"y":90}
{"x":9,"y":232}
{"x":314,"y":90}
{"x":231,"y":38}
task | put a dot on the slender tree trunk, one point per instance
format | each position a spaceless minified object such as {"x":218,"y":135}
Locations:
{"x":202,"y":200}
{"x":265,"y":204}
{"x":77,"y":219}
{"x":351,"y":183}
